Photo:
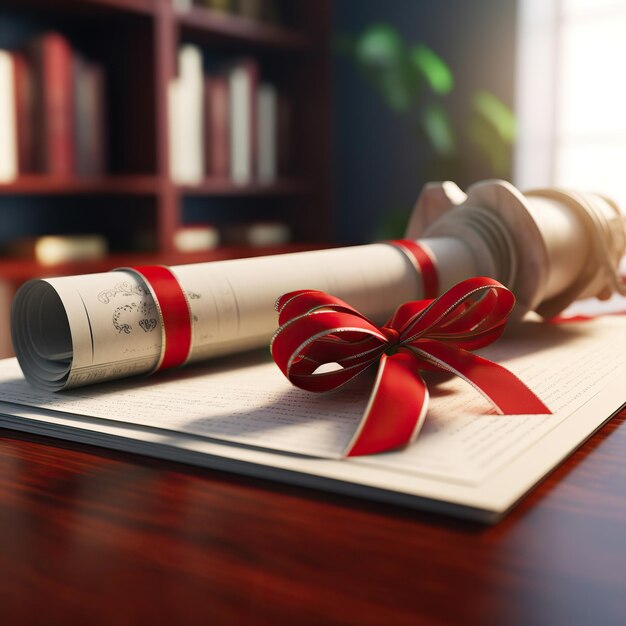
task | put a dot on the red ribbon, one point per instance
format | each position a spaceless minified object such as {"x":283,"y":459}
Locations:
{"x":173,"y":310}
{"x":423,"y":260}
{"x":317,"y":329}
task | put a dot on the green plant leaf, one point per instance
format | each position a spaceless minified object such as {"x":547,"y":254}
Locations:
{"x":488,"y":141}
{"x":433,"y":68}
{"x":438,"y":128}
{"x":495,"y":113}
{"x":383,"y":56}
{"x":380,"y":45}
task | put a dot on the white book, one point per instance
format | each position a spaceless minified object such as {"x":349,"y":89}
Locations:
{"x":267,"y":127}
{"x":241,"y":124}
{"x":173,"y":129}
{"x":182,"y":5}
{"x":8,"y":119}
{"x":187,"y":117}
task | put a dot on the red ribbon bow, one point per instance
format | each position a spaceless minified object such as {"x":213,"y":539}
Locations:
{"x":317,"y":329}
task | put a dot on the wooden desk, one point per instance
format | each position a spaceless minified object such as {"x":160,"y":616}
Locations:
{"x":94,"y":537}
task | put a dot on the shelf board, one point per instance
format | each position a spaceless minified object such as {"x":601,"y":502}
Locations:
{"x":17,"y":270}
{"x":41,"y":184}
{"x":228,"y":28}
{"x":226,"y":187}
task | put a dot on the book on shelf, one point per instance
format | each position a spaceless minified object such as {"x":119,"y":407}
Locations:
{"x":196,"y":238}
{"x":89,"y":120}
{"x":257,"y":234}
{"x":267,"y":154}
{"x":252,"y":9}
{"x":24,"y":106}
{"x":284,"y":136}
{"x":182,"y":5}
{"x":256,"y":10}
{"x":217,"y":127}
{"x":225,"y":125}
{"x":243,"y":80}
{"x":52,"y":59}
{"x":186,"y":122}
{"x":8,"y":120}
{"x":56,"y":249}
{"x":52,"y":111}
{"x":224,"y":6}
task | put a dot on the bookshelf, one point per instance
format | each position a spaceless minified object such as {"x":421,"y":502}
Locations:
{"x":136,"y":41}
{"x":135,"y":202}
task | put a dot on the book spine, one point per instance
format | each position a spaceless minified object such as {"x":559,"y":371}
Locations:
{"x":191,"y":113}
{"x":89,"y":107}
{"x":98,"y":144}
{"x":252,"y":68}
{"x":284,"y":137}
{"x":243,"y":80}
{"x":217,"y":127}
{"x":23,"y":87}
{"x":8,"y":130}
{"x":174,"y":133}
{"x":81,"y":117}
{"x":267,"y":149}
{"x":55,"y":71}
{"x":251,"y":9}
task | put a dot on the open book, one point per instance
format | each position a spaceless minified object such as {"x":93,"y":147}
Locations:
{"x":239,"y":413}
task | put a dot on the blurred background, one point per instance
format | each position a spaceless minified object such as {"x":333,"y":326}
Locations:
{"x":178,"y":131}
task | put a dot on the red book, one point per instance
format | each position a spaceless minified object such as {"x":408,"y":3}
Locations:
{"x":285,"y":137}
{"x":54,"y":114}
{"x":89,"y":122}
{"x":24,"y":102}
{"x":216,"y":127}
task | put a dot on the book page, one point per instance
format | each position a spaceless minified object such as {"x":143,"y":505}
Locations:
{"x":247,"y":400}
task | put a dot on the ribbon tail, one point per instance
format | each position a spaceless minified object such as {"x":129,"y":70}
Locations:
{"x":502,"y":388}
{"x":396,"y":408}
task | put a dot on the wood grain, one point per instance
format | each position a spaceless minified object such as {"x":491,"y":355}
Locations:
{"x":95,"y":537}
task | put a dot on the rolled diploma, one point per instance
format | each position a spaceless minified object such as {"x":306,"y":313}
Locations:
{"x":78,"y":330}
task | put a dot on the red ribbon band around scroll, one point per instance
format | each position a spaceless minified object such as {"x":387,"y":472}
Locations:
{"x":173,"y":310}
{"x":318,"y":329}
{"x":421,"y":258}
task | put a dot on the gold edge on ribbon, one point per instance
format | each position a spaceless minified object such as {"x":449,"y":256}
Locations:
{"x":323,"y":333}
{"x":279,"y":310}
{"x":456,"y":303}
{"x":449,"y":368}
{"x":422,"y":416}
{"x":414,"y":261}
{"x":368,"y":408}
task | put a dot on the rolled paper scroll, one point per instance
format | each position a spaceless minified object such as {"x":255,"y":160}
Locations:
{"x":79,"y":330}
{"x":549,"y":247}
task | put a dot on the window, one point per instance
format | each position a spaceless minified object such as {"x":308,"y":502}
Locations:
{"x":571,"y":96}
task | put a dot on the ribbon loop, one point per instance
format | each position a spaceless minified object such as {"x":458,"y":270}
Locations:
{"x":318,"y":329}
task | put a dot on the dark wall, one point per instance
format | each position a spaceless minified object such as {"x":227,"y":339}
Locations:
{"x":381,"y":163}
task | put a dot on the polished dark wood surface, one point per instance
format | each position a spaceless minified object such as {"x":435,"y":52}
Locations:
{"x":93,"y":537}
